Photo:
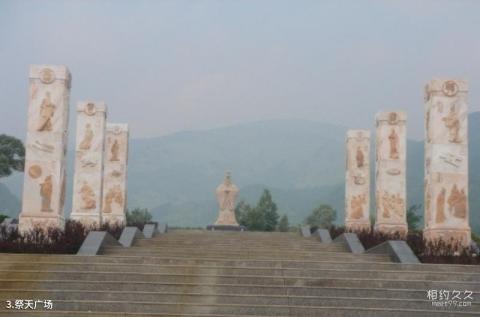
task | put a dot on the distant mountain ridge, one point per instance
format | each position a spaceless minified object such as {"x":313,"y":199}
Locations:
{"x":301,"y":162}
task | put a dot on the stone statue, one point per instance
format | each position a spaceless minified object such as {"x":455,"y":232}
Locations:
{"x":113,"y":195}
{"x":46,"y":189}
{"x":452,"y":122}
{"x":440,"y":215}
{"x":226,"y":195}
{"x":87,"y":138}
{"x":393,"y":138}
{"x":360,"y":158}
{"x":114,"y":151}
{"x":88,"y":196}
{"x":47,"y":109}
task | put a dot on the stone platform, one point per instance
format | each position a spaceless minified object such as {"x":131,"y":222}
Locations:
{"x":226,"y":228}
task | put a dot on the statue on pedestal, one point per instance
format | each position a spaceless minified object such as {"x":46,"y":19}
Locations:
{"x":226,"y":195}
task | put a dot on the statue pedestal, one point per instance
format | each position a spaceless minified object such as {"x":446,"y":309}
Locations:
{"x":226,"y":228}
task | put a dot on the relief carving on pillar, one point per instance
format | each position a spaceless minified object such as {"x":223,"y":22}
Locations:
{"x":452,"y":123}
{"x":86,"y":143}
{"x":46,"y":189}
{"x":47,"y":110}
{"x":114,"y":195}
{"x":357,"y":204}
{"x":88,"y":197}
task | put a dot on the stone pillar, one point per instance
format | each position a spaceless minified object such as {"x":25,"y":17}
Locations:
{"x":90,"y":148}
{"x":115,"y":174}
{"x":391,"y":137}
{"x":446,"y":161}
{"x":357,"y":181}
{"x":46,"y":146}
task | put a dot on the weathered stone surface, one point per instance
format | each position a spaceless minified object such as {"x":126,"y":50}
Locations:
{"x":357,"y":180}
{"x":323,"y":235}
{"x":446,"y":161}
{"x":115,"y":174}
{"x":88,"y":178}
{"x":129,"y":235}
{"x":391,"y":138}
{"x":46,"y":146}
{"x":226,"y":195}
{"x":352,"y":242}
{"x":305,"y":231}
{"x":149,"y":230}
{"x":95,"y":242}
{"x":398,"y":250}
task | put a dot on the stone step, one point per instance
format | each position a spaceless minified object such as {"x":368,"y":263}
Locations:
{"x":228,"y":271}
{"x":152,"y":281}
{"x":239,"y":309}
{"x":230,"y":251}
{"x":250,"y":300}
{"x":226,"y":247}
{"x":129,"y":261}
{"x":275,"y":290}
{"x":19,"y":289}
{"x":246,"y":256}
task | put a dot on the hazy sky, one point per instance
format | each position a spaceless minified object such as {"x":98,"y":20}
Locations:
{"x":166,"y":66}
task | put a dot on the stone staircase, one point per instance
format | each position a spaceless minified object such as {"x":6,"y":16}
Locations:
{"x":200,"y":273}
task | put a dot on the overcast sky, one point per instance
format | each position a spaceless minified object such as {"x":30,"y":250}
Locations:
{"x":167,"y":66}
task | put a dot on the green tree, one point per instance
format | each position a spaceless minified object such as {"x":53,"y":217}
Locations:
{"x":138,"y":216}
{"x":254,"y":220}
{"x":268,"y":209}
{"x":283,"y":224}
{"x":12,"y":155}
{"x":240,"y":211}
{"x":321,"y":217}
{"x":413,"y":217}
{"x":2,"y":218}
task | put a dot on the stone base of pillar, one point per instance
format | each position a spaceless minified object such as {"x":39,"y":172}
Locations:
{"x":461,"y":236}
{"x":226,"y":228}
{"x":357,"y":226}
{"x":392,"y":229}
{"x":88,"y":220}
{"x":115,"y":220}
{"x":27,"y":223}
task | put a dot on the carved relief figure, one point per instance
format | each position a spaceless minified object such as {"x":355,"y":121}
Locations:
{"x":360,"y":158}
{"x":440,"y":215}
{"x":452,"y":122}
{"x":392,"y":205}
{"x":47,"y":110}
{"x":356,"y":205}
{"x":393,"y":138}
{"x":114,"y":151}
{"x":88,"y":196}
{"x":457,"y":202}
{"x":46,"y":189}
{"x":87,"y":138}
{"x":113,"y":195}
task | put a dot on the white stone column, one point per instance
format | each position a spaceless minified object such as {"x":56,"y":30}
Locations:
{"x":46,"y":146}
{"x":90,"y":149}
{"x":115,"y":174}
{"x":446,"y":161}
{"x":390,"y":193}
{"x":357,"y":181}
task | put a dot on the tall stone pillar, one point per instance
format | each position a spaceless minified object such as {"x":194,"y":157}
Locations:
{"x":90,"y":148}
{"x":46,"y":146}
{"x":357,"y":181}
{"x":115,"y":174}
{"x":391,"y":137}
{"x":446,"y":161}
